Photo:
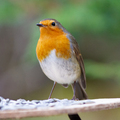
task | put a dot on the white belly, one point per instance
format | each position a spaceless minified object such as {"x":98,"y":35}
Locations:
{"x":60,"y":70}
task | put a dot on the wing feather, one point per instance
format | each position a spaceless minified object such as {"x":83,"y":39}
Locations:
{"x":76,"y":52}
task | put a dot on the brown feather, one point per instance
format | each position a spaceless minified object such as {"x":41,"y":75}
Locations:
{"x":77,"y":54}
{"x":80,"y":85}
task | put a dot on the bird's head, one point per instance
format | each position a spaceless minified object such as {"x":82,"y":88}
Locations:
{"x":50,"y":27}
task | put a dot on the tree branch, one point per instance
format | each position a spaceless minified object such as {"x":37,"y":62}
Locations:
{"x":21,"y":108}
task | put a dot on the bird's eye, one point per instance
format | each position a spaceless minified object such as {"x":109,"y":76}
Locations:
{"x":53,"y":24}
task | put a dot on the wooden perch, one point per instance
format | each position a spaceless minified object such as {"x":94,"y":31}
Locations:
{"x":36,"y":108}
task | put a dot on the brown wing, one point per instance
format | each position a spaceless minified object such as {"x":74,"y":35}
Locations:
{"x":76,"y":52}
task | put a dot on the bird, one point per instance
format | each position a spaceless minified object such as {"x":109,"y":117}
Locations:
{"x":60,"y":58}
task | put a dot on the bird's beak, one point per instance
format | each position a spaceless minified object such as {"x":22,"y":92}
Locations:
{"x":40,"y":25}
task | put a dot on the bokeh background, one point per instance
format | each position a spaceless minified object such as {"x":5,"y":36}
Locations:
{"x":96,"y":26}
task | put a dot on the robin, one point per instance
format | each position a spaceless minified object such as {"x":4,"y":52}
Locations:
{"x":60,"y":58}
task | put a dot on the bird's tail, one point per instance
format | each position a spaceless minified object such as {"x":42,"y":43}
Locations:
{"x":74,"y":117}
{"x":79,"y":90}
{"x":79,"y":94}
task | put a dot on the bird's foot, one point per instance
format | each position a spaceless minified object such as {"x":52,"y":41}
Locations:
{"x":74,"y":98}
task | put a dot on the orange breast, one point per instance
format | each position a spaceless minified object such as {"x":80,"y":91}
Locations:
{"x":46,"y":44}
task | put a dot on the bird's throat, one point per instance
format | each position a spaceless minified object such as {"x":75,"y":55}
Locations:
{"x":46,"y":44}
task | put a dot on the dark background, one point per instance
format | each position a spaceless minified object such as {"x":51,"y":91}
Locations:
{"x":96,"y":26}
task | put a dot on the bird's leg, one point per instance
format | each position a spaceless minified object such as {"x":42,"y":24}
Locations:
{"x":74,"y":87}
{"x":52,"y":90}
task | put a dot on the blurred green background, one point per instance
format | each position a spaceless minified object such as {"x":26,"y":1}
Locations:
{"x":96,"y":26}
